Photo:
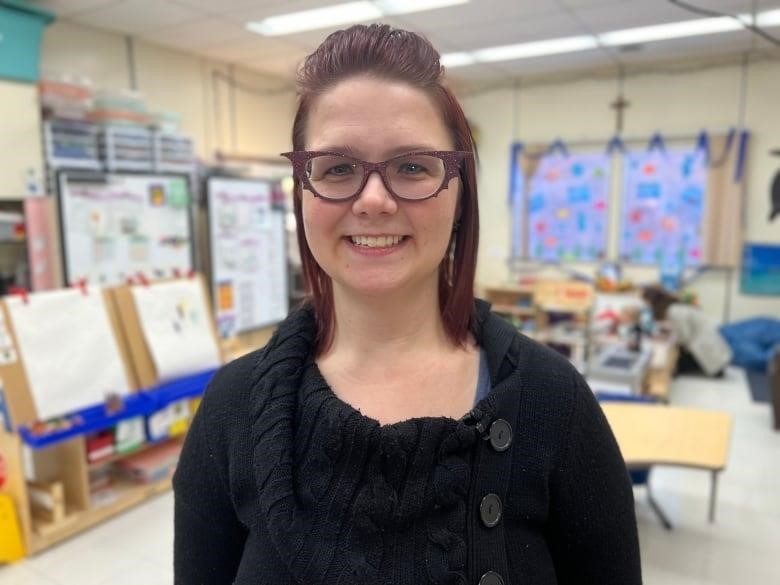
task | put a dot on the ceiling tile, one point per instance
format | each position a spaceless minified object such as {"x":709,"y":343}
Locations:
{"x":629,"y":14}
{"x":588,"y":3}
{"x":138,"y":16}
{"x":498,"y":33}
{"x":260,"y":10}
{"x":224,"y":6}
{"x":481,"y":13}
{"x":199,"y":34}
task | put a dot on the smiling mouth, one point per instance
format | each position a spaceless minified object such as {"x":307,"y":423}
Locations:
{"x":377,"y":241}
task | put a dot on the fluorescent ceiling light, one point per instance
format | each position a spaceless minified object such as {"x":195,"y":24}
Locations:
{"x":537,"y":49}
{"x":644,"y":34}
{"x":313,"y":19}
{"x":457,"y":59}
{"x":408,"y":6}
{"x":673,"y":30}
{"x":768,"y":18}
{"x":339,"y":14}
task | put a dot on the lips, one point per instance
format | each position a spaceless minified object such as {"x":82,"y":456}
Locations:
{"x":377,"y":241}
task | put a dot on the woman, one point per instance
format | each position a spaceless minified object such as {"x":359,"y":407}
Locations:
{"x":393,"y":430}
{"x":703,"y":350}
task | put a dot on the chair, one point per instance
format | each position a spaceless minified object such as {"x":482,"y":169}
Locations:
{"x":773,"y":380}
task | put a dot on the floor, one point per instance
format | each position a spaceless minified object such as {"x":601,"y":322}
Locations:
{"x":739,"y":548}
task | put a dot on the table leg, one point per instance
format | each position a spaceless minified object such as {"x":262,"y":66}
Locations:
{"x":713,"y":495}
{"x":657,"y":509}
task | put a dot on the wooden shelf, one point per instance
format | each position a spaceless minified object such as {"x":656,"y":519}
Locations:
{"x":128,"y":495}
{"x":118,"y":456}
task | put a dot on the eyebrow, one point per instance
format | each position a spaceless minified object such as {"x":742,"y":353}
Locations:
{"x":399,"y":150}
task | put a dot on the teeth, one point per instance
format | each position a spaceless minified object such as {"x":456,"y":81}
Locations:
{"x":377,"y":241}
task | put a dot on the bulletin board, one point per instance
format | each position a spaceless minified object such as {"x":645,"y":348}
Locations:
{"x":567,"y":207}
{"x":664,"y":205}
{"x":114,"y":227}
{"x":248,"y":255}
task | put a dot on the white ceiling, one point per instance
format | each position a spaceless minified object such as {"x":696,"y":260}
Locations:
{"x":216,"y":29}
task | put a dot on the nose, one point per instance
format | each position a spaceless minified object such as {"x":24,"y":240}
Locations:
{"x":374,"y":199}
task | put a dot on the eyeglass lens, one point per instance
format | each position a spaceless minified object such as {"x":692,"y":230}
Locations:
{"x":414,"y":176}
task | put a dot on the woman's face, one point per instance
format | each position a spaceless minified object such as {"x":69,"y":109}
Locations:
{"x":357,"y":242}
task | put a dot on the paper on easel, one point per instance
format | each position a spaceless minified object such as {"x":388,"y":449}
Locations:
{"x":177,"y":327}
{"x":70,"y":354}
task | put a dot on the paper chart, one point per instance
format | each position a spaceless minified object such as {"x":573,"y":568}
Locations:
{"x":248,"y":255}
{"x":117,"y":226}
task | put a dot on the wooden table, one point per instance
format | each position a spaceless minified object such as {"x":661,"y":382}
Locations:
{"x":650,"y":434}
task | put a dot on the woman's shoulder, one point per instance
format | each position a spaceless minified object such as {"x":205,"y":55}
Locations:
{"x":545,"y":375}
{"x":230,"y":388}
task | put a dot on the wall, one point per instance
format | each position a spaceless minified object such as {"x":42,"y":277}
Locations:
{"x":671,"y":101}
{"x":251,"y":117}
{"x":242,"y":118}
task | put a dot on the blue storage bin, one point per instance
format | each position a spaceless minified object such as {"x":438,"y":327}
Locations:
{"x":21,"y":28}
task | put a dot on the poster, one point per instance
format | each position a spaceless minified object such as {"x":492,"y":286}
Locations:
{"x":760,"y":269}
{"x":248,"y":255}
{"x":70,"y":354}
{"x":567,"y":208}
{"x":177,"y":327}
{"x":664,"y":198}
{"x":115,"y":227}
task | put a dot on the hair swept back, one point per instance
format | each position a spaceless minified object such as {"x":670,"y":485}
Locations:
{"x":386,"y":53}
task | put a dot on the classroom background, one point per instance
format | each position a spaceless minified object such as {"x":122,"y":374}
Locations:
{"x":622,"y":143}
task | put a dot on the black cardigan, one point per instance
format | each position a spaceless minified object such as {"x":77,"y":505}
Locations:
{"x":280,"y":482}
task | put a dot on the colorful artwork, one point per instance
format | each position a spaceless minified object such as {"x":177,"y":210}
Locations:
{"x":174,"y":317}
{"x":760,"y":269}
{"x":567,"y":208}
{"x":664,"y":199}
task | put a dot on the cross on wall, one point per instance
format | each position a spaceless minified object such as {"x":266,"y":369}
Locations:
{"x":619,"y":105}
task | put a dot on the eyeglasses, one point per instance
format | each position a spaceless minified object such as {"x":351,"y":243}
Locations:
{"x":414,"y":176}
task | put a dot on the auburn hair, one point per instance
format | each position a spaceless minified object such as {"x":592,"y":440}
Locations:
{"x":386,"y":53}
{"x":659,"y":300}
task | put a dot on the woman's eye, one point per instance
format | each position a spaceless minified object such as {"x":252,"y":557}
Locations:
{"x":411,"y":168}
{"x":340,"y":170}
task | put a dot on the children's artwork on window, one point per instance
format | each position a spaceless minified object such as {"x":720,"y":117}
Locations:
{"x":177,"y":327}
{"x":664,"y":201}
{"x":567,"y":208}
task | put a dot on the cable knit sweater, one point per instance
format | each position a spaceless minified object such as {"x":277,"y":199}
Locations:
{"x":280,"y":482}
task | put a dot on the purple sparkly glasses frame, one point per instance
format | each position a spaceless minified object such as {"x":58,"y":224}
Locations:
{"x":451,"y":159}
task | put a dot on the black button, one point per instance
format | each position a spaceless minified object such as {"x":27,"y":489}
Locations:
{"x":491,"y":578}
{"x":500,"y":435}
{"x":490,"y":510}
